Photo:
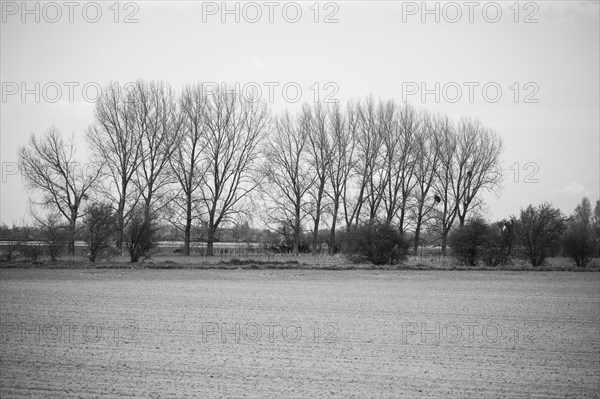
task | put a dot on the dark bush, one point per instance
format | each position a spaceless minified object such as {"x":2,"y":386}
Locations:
{"x":477,"y":241}
{"x":55,"y":235}
{"x":500,"y":243}
{"x":469,"y":242}
{"x":9,"y":249}
{"x":539,"y":231}
{"x":596,"y":226}
{"x":31,"y":251}
{"x":99,"y":227}
{"x":141,"y":237}
{"x":578,"y":243}
{"x":375,"y":242}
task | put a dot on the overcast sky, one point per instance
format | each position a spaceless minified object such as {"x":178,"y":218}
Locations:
{"x":529,"y":70}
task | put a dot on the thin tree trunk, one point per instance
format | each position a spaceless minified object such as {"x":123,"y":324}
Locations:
{"x":333,"y":226}
{"x":417,"y":237}
{"x":188,"y":226}
{"x":444,"y":241}
{"x":210,"y":238}
{"x":71,"y":244}
{"x":120,"y":224}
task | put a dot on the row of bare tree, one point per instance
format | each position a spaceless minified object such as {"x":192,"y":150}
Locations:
{"x":377,"y":160}
{"x":215,"y":158}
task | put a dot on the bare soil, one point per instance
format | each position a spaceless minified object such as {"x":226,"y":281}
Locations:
{"x":298,"y":333}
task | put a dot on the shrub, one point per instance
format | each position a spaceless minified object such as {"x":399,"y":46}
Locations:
{"x":469,"y":242}
{"x":477,"y":241}
{"x":579,"y":240}
{"x":539,"y":231}
{"x":31,"y":251}
{"x":54,"y":234}
{"x":9,"y":249}
{"x":500,"y":243}
{"x":140,"y":237}
{"x":99,"y":227}
{"x":578,"y":244}
{"x":375,"y":242}
{"x":596,"y":226}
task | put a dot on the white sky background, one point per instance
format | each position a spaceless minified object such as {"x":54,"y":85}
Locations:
{"x":375,"y":48}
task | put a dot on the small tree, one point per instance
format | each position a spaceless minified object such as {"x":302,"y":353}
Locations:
{"x":50,"y":168}
{"x":470,"y":241}
{"x":99,"y":228}
{"x":579,"y":242}
{"x":501,"y":241}
{"x":140,"y":237}
{"x":12,"y":239}
{"x":31,"y":251}
{"x":539,"y":230}
{"x":596,"y":226}
{"x":375,"y":242}
{"x":54,"y":234}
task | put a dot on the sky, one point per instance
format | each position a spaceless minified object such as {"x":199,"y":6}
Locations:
{"x":529,"y":70}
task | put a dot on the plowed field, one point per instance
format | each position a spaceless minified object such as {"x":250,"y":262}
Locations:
{"x":298,"y":333}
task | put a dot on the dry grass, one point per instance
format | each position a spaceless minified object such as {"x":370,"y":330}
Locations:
{"x":287,"y":261}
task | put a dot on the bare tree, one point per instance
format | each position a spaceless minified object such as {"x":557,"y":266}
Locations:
{"x":445,"y":175}
{"x":319,"y":155}
{"x":371,"y":135}
{"x":235,"y":127}
{"x":341,"y":165}
{"x":288,"y":176}
{"x":186,"y":163}
{"x":158,"y":125}
{"x":427,"y":160}
{"x":367,"y":178}
{"x":116,"y":142}
{"x":469,"y":164}
{"x":477,"y":165}
{"x":401,"y":129}
{"x":51,"y":169}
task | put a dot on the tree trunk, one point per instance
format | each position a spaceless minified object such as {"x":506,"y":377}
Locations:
{"x":444,"y":241}
{"x":210,"y":236}
{"x":332,"y":234}
{"x":316,"y":231}
{"x":188,"y":226}
{"x":417,"y":237}
{"x":71,"y":244}
{"x":401,"y":220}
{"x":120,"y":224}
{"x":147,"y":210}
{"x":209,"y":247}
{"x":297,"y":233}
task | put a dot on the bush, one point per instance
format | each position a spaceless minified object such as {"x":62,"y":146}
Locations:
{"x":8,"y":250}
{"x":140,"y":237}
{"x":500,"y":243}
{"x":99,"y":227}
{"x":54,"y":234}
{"x":539,"y":231}
{"x":478,"y":241}
{"x":31,"y":251}
{"x":596,"y":226}
{"x":376,"y":242}
{"x":468,"y":242}
{"x":578,"y":244}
